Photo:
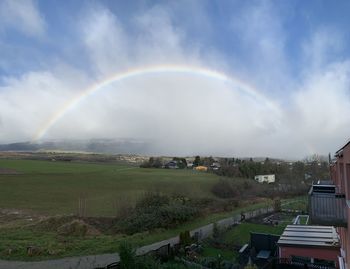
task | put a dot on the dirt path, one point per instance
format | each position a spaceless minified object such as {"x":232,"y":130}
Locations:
{"x":93,"y":261}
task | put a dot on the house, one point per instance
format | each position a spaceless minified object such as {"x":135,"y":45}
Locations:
{"x":201,"y":168}
{"x":171,"y":165}
{"x":215,"y":166}
{"x":189,"y":164}
{"x":309,"y":246}
{"x":265,"y":178}
{"x":329,"y":202}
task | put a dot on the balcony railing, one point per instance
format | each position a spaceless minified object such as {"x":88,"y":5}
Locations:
{"x":287,"y":263}
{"x":326,"y":206}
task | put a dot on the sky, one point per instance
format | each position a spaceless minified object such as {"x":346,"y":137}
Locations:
{"x":264,"y":78}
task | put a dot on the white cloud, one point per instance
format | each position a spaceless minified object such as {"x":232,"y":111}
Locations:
{"x":154,"y":40}
{"x":322,"y":47}
{"x":105,"y":40}
{"x":321,"y":108}
{"x":28,"y":101}
{"x":22,"y":15}
{"x":259,"y":27}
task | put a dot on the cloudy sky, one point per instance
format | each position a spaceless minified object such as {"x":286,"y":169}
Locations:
{"x":287,"y":64}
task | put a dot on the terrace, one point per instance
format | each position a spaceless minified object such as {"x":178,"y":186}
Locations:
{"x":327,"y":206}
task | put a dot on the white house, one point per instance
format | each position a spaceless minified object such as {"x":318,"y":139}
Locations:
{"x":265,"y":178}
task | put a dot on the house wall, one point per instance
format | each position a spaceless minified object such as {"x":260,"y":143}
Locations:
{"x":316,"y":253}
{"x":340,"y":174}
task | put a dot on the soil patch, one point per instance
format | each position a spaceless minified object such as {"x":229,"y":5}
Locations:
{"x":273,"y":219}
{"x":71,"y":225}
{"x":77,"y":227}
{"x":8,"y":171}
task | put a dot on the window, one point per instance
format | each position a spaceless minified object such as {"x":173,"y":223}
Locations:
{"x":324,"y":263}
{"x":301,"y":259}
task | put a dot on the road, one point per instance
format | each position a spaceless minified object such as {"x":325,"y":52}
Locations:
{"x":93,"y":261}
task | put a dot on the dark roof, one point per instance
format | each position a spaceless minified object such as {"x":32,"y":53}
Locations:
{"x":309,"y":236}
{"x":347,"y":143}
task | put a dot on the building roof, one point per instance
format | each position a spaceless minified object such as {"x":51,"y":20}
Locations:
{"x":309,"y":236}
{"x":341,"y":149}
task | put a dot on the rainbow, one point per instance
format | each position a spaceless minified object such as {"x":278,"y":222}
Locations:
{"x":162,"y":69}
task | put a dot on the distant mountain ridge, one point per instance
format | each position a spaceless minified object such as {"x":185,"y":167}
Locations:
{"x":106,"y":146}
{"x":97,"y":146}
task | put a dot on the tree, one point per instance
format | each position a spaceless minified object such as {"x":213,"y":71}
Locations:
{"x":197,"y":161}
{"x":181,"y":162}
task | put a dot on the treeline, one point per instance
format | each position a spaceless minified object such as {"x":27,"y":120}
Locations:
{"x":284,"y":171}
{"x":152,"y":163}
{"x":157,"y":162}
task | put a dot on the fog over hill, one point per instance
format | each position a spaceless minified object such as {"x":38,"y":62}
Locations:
{"x":118,"y":147}
{"x":94,"y":145}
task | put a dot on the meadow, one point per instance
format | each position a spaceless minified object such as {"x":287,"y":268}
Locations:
{"x":46,"y":188}
{"x":51,"y":188}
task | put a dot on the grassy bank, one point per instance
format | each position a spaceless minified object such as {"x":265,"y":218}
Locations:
{"x":54,"y":246}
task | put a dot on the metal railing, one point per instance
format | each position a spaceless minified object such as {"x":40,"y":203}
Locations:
{"x":288,"y":263}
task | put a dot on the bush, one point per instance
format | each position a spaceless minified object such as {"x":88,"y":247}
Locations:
{"x":127,"y":256}
{"x":156,"y":211}
{"x":152,"y":163}
{"x":152,"y":200}
{"x":277,"y":205}
{"x":147,"y":262}
{"x":225,"y":189}
{"x":185,"y":238}
{"x":216,"y":231}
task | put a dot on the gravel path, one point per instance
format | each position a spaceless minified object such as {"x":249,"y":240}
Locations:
{"x":93,"y":261}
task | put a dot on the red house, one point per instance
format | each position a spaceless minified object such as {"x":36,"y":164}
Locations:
{"x":309,"y":245}
{"x":330,"y":204}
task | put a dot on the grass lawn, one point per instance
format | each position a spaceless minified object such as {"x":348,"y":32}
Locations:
{"x":240,"y":234}
{"x":298,"y":203}
{"x":226,"y":254}
{"x":55,"y":187}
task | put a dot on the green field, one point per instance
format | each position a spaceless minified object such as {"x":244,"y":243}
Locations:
{"x":55,"y":187}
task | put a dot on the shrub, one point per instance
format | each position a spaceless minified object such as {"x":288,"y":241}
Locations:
{"x":216,"y":231}
{"x":156,"y":211}
{"x":127,"y":256}
{"x":147,"y":262}
{"x":152,"y":200}
{"x":225,"y":189}
{"x":277,"y":205}
{"x":185,"y":238}
{"x":152,"y":163}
